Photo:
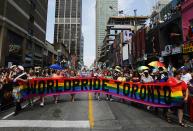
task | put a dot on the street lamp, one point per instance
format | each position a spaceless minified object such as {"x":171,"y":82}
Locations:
{"x":135,"y":15}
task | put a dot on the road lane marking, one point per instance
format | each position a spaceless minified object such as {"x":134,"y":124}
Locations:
{"x":12,"y":113}
{"x":45,"y":123}
{"x":90,"y":111}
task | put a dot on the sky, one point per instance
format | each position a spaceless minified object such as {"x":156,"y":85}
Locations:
{"x":143,"y":7}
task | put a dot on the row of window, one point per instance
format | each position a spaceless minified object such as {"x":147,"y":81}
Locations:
{"x":68,"y":8}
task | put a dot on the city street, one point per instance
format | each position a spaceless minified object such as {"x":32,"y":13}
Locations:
{"x":140,"y":52}
{"x":84,"y":114}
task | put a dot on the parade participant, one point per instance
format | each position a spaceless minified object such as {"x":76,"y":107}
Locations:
{"x":12,"y":71}
{"x":170,"y":70}
{"x":136,"y":77}
{"x":121,"y":78}
{"x":83,"y":72}
{"x":175,"y":81}
{"x":91,"y":73}
{"x":146,"y":78}
{"x":30,"y":76}
{"x":20,"y":76}
{"x":190,"y":99}
{"x":186,"y":76}
{"x":97,"y":74}
{"x":56,"y":74}
{"x":108,"y":75}
{"x":116,"y":72}
{"x":72,"y":75}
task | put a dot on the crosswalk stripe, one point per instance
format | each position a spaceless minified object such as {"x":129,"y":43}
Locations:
{"x":24,"y":106}
{"x":44,"y":123}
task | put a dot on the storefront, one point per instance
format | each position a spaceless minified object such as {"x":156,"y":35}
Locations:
{"x":187,"y":25}
{"x":188,"y":53}
{"x":173,"y":55}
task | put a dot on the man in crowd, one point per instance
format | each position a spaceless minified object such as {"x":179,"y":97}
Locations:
{"x":146,"y":78}
{"x":20,"y":76}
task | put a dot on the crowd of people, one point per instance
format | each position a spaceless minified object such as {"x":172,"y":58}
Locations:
{"x":183,"y":75}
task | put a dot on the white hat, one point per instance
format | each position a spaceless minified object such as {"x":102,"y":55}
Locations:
{"x":118,"y":67}
{"x":117,"y":70}
{"x":21,"y":67}
{"x":12,"y":66}
{"x":146,"y":71}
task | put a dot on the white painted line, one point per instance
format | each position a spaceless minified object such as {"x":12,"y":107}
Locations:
{"x":12,"y":113}
{"x":5,"y":117}
{"x":44,"y":123}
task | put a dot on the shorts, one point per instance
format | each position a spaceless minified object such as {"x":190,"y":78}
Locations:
{"x":181,"y":105}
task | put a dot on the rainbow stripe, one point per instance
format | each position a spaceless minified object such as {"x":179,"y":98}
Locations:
{"x":153,"y":94}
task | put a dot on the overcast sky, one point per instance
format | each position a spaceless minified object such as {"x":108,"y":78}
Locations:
{"x":143,"y":7}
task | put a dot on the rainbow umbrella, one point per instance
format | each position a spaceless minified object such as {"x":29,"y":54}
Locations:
{"x":165,"y":69}
{"x":142,"y":68}
{"x":156,"y":64}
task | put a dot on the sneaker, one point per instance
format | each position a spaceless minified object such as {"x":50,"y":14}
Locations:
{"x":148,"y":108}
{"x":41,"y":104}
{"x":107,"y":98}
{"x":98,"y":98}
{"x":30,"y":103}
{"x":111,"y":99}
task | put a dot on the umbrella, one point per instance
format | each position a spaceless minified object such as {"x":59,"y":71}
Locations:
{"x":183,"y":68}
{"x":142,"y":68}
{"x":156,"y":64}
{"x":56,"y":67}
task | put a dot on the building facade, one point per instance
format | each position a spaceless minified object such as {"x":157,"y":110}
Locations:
{"x":104,"y":9}
{"x":155,"y":17}
{"x":187,"y":28}
{"x":117,"y":44}
{"x":22,"y":31}
{"x":67,"y":33}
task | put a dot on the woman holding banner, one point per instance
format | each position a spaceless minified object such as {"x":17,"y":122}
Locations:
{"x":177,"y":83}
{"x":56,"y":74}
{"x":31,"y":76}
{"x":72,"y":75}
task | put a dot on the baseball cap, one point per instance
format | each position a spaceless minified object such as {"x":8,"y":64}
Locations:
{"x":21,"y":67}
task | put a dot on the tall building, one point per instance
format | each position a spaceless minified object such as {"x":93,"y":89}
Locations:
{"x":22,"y":31}
{"x":81,"y":49}
{"x":104,"y":9}
{"x":67,"y":33}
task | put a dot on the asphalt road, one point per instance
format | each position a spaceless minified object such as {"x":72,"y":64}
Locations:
{"x":85,"y":114}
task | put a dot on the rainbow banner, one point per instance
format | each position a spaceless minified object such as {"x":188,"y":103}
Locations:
{"x":154,"y":94}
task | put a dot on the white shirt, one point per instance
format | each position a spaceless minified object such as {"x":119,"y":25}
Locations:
{"x":147,"y":79}
{"x":186,"y":78}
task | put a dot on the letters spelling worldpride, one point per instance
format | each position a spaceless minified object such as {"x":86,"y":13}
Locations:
{"x":154,"y":94}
